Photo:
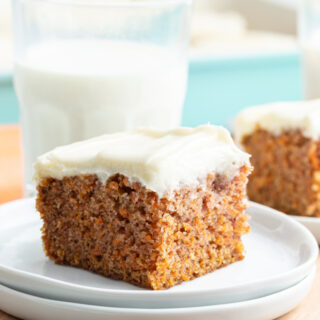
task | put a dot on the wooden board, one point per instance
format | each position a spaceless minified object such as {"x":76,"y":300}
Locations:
{"x":10,"y":163}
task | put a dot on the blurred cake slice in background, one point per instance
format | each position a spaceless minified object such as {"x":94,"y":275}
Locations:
{"x":284,"y":141}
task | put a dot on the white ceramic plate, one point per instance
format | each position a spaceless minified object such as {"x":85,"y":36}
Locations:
{"x":280,"y":253}
{"x":313,"y":224}
{"x":270,"y":307}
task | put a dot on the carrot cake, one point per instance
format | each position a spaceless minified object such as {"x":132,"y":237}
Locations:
{"x":153,"y":208}
{"x":284,"y":141}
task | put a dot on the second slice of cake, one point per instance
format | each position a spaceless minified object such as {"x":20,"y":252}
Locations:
{"x":153,"y":208}
{"x":284,"y":141}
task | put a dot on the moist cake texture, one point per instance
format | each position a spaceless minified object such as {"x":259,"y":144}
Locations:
{"x":283,"y":139}
{"x":153,"y":208}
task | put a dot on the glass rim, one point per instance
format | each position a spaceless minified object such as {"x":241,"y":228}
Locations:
{"x":113,"y":3}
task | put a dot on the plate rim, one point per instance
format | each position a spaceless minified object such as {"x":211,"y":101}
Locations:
{"x":306,"y":219}
{"x":310,"y":277}
{"x":158,"y":293}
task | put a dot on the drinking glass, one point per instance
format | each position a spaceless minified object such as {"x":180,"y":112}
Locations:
{"x":309,"y":36}
{"x":89,"y":67}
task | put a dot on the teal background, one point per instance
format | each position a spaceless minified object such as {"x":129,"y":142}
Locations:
{"x":9,"y":111}
{"x":217,"y":88}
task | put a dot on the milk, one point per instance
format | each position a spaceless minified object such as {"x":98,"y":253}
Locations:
{"x":74,"y":90}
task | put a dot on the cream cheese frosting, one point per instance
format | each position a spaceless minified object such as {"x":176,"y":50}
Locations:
{"x":278,"y":117}
{"x":160,"y":160}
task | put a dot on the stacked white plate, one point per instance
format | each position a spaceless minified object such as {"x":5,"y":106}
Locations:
{"x":311,"y":223}
{"x":275,"y":277}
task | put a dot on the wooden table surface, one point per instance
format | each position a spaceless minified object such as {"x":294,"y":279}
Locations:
{"x":11,"y":189}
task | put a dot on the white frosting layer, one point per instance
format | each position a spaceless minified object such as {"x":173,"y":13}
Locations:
{"x":277,"y":117}
{"x":160,"y":160}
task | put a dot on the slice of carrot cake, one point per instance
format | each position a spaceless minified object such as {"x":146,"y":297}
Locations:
{"x":153,"y":208}
{"x":284,"y":141}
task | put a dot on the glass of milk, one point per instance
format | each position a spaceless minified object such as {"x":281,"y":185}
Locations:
{"x":88,"y":67}
{"x":309,"y":36}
